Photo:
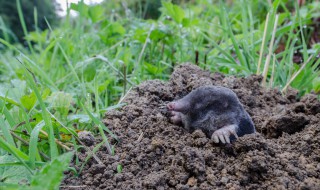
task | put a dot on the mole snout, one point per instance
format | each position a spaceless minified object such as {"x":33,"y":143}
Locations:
{"x":215,"y":110}
{"x":178,"y":106}
{"x":171,"y":106}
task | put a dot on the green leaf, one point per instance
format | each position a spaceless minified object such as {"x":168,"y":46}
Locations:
{"x":152,"y":69}
{"x":81,"y":118}
{"x":112,"y":32}
{"x":119,"y":168}
{"x":33,"y":149}
{"x":9,"y":100}
{"x":6,"y":113}
{"x":140,"y":35}
{"x":156,"y":35}
{"x":81,"y":7}
{"x":60,"y":101}
{"x":38,"y":37}
{"x":316,"y":84}
{"x":52,"y":173}
{"x":11,"y":95}
{"x":13,"y":150}
{"x":116,"y":28}
{"x":18,"y":163}
{"x":186,"y":22}
{"x":174,"y":11}
{"x":13,"y":174}
{"x":45,"y":93}
{"x":96,"y":13}
{"x":28,"y":101}
{"x":5,"y":129}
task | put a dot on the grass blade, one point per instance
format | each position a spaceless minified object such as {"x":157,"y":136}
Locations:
{"x":101,"y":128}
{"x":297,"y":73}
{"x":45,"y":115}
{"x":33,"y":149}
{"x":6,"y":113}
{"x":266,"y":65}
{"x":6,"y":132}
{"x":226,"y":21}
{"x":262,"y":44}
{"x":23,"y":24}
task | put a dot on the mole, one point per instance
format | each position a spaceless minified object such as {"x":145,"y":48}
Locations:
{"x":215,"y":110}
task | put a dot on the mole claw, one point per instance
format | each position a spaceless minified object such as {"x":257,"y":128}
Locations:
{"x":222,"y":139}
{"x":233,"y":133}
{"x":227,"y":138}
{"x":215,"y":138}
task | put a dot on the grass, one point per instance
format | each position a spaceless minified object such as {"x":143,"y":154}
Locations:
{"x":68,"y":76}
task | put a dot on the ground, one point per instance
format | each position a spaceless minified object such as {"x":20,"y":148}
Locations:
{"x":156,"y":154}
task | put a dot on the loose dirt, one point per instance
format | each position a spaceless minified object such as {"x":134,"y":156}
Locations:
{"x":155,"y":154}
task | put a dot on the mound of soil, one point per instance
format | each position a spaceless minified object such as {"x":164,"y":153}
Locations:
{"x":155,"y":154}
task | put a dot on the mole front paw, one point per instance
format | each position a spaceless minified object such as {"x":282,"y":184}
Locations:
{"x":176,"y":117}
{"x":223,"y":134}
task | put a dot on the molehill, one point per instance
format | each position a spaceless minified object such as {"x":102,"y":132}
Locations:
{"x":156,"y":154}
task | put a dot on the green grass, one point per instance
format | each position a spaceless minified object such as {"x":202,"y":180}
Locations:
{"x":68,"y":76}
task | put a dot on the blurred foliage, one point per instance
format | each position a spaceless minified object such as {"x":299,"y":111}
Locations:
{"x":34,"y":12}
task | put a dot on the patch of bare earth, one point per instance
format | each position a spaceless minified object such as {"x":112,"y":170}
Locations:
{"x":155,"y":154}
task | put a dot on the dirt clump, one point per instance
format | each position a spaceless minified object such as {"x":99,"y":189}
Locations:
{"x":156,"y":154}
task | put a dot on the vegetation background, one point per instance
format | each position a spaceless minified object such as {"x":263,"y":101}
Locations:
{"x":59,"y":75}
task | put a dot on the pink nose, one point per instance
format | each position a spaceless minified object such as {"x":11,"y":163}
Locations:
{"x":171,"y":105}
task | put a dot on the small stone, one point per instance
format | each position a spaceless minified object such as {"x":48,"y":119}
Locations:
{"x":224,"y":180}
{"x":192,"y":181}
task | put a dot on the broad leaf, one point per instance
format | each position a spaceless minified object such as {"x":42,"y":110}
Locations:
{"x":52,"y":173}
{"x":174,"y":11}
{"x":28,"y":101}
{"x":13,"y":174}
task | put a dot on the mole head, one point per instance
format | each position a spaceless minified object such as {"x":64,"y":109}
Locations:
{"x":202,"y":99}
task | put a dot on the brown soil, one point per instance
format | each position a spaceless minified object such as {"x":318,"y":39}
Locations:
{"x":155,"y":154}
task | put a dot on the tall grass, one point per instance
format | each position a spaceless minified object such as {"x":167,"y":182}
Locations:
{"x":67,"y":77}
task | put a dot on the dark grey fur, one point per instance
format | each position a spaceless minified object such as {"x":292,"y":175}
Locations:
{"x":210,"y":108}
